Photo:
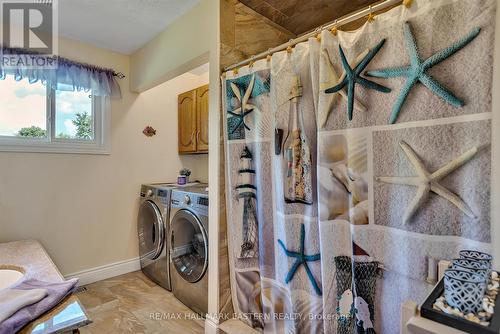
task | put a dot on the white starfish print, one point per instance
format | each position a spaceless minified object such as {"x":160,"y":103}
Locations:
{"x":427,"y":182}
{"x":335,"y":80}
{"x":245,"y":108}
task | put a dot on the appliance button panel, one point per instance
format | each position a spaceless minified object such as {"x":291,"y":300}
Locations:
{"x":203,"y":201}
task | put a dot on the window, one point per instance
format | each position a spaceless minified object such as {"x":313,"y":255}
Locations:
{"x":35,"y":118}
{"x":74,"y":117}
{"x":23,"y":111}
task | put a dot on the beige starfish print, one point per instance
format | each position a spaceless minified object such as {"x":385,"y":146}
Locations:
{"x":429,"y":182}
{"x":245,"y":108}
{"x":335,"y":80}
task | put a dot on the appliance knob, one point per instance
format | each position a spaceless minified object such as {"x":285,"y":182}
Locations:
{"x":149,"y":193}
{"x":187,"y":200}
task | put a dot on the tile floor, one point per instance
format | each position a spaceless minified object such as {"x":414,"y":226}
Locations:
{"x":128,"y":304}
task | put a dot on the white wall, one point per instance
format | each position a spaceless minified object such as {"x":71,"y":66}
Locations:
{"x":83,"y":208}
{"x":184,"y":45}
{"x":160,"y":110}
{"x":187,"y":43}
{"x":81,"y":233}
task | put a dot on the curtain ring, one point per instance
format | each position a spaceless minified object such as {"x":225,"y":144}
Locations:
{"x":334,"y":29}
{"x":269,"y":56}
{"x":251,"y":62}
{"x":289,"y":49}
{"x":318,"y":33}
{"x":235,"y":71}
{"x":407,"y":3}
{"x":371,"y":17}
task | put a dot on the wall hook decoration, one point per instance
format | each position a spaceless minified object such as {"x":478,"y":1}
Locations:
{"x":149,"y":131}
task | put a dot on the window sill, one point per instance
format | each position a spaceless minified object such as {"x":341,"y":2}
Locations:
{"x":62,"y":148}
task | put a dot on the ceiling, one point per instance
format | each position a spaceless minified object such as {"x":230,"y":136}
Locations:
{"x":118,"y":25}
{"x":300,"y":16}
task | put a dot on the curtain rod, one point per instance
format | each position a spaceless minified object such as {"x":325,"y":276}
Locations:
{"x":21,"y":51}
{"x":337,"y":23}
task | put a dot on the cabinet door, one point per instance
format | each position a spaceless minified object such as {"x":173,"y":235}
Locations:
{"x":202,"y":118}
{"x":187,"y":122}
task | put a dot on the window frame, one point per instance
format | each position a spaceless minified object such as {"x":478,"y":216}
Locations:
{"x":100,"y":144}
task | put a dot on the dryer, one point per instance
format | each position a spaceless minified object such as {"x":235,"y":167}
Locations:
{"x":189,"y":247}
{"x":152,"y":228}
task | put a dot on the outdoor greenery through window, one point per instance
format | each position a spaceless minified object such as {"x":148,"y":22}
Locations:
{"x":32,"y":114}
{"x":74,"y":115}
{"x":23,"y":111}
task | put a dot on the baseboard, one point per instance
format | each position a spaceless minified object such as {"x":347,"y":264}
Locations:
{"x":107,"y":271}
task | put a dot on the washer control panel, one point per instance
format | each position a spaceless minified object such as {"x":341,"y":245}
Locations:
{"x":162,"y":196}
{"x":188,"y":200}
{"x":156,"y":194}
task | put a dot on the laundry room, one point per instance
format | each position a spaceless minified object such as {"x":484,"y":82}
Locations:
{"x":124,"y":112}
{"x":249,"y":166}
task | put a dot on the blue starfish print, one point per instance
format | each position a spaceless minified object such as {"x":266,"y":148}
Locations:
{"x":302,"y":259}
{"x":417,"y":70}
{"x":241,"y":119}
{"x":352,"y":77}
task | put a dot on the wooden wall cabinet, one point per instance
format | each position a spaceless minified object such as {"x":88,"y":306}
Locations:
{"x":193,"y":121}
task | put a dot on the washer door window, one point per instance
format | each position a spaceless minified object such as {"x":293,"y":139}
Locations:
{"x":151,"y":231}
{"x":188,"y":246}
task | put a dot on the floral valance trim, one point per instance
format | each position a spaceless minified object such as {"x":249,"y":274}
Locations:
{"x":59,"y":73}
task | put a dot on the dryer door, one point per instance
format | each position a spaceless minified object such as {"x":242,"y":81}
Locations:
{"x":188,"y":246}
{"x":151,"y":231}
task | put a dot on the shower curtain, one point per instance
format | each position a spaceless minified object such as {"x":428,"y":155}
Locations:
{"x":343,"y":188}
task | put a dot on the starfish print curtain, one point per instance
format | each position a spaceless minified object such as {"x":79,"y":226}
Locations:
{"x":372,"y":160}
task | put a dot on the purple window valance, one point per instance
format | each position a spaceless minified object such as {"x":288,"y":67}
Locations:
{"x":59,"y":73}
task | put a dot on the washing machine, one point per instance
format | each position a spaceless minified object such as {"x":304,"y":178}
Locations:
{"x":189,"y":247}
{"x":152,"y":227}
